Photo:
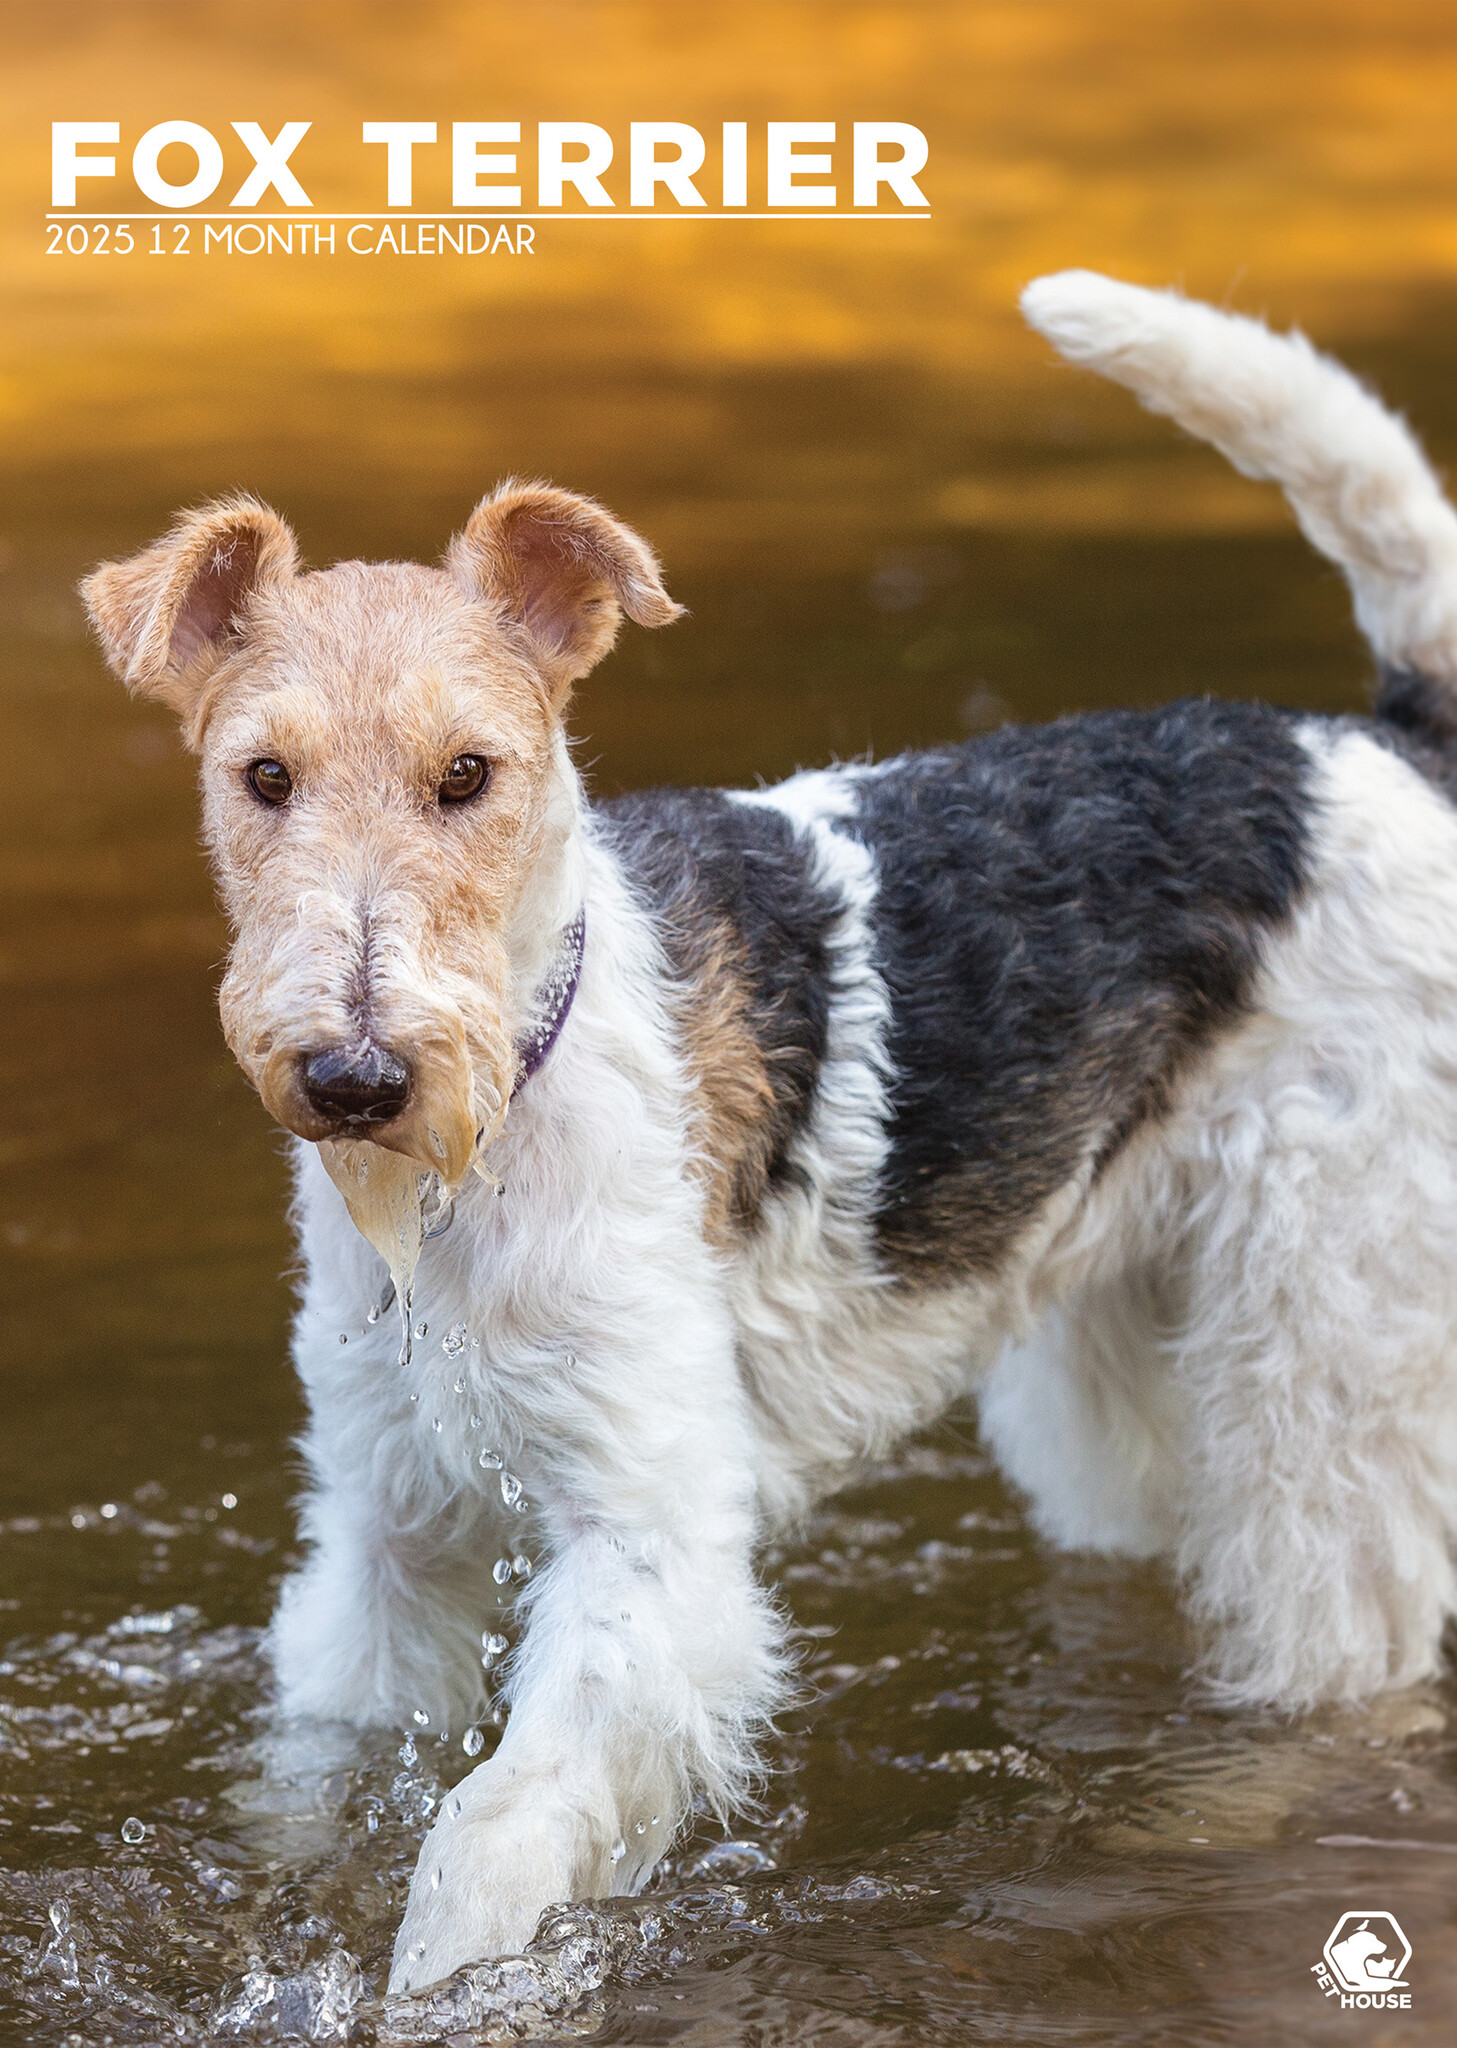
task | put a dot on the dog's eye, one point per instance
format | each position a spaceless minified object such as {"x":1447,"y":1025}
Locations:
{"x":271,"y":781}
{"x":466,"y":777}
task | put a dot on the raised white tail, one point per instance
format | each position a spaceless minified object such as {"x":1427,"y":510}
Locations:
{"x":1361,"y":488}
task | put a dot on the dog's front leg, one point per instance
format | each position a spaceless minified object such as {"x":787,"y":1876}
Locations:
{"x":649,"y":1657}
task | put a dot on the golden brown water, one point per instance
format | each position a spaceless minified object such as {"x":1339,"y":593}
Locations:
{"x":1005,"y":1817}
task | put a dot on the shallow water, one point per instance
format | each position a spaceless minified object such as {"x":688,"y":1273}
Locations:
{"x":1001,"y":1815}
{"x":1001,"y":1812}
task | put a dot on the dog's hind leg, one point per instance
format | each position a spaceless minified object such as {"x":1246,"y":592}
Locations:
{"x":1082,"y":1417}
{"x":1320,"y":1513}
{"x":1320,"y":1508}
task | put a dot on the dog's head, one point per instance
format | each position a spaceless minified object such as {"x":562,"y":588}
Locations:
{"x":387,"y":793}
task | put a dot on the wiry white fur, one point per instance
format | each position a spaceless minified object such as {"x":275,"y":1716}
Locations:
{"x":1083,"y":1417}
{"x":1232,"y":1348}
{"x":841,"y":1361}
{"x":1252,"y":1369}
{"x":605,"y":1376}
{"x":1358,"y":482}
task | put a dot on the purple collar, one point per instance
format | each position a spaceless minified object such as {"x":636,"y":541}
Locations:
{"x":554,"y":1000}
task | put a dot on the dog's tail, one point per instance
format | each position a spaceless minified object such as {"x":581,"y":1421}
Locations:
{"x":1358,"y":483}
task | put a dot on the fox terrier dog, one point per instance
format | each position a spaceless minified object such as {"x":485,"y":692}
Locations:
{"x":1105,"y":1070}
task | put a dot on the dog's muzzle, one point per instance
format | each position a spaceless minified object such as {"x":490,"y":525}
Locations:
{"x":354,"y":1086}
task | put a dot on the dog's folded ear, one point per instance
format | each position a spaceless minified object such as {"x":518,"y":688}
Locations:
{"x":561,"y":571}
{"x":164,"y":616}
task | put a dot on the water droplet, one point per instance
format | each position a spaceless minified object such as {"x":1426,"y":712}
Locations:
{"x":655,"y":1820}
{"x":371,"y":1821}
{"x":641,"y":1828}
{"x":455,"y":1340}
{"x":501,"y":1570}
{"x":523,"y":1506}
{"x":435,"y":1425}
{"x":455,"y":1809}
{"x":108,"y":1510}
{"x":496,"y":1644}
{"x":435,"y":1877}
{"x":510,"y":1489}
{"x":408,"y":1752}
{"x":420,"y":1718}
{"x":472,"y":1742}
{"x":491,"y":1461}
{"x":625,"y":1615}
{"x":521,"y":1565}
{"x":373,"y":1316}
{"x":571,"y":1360}
{"x":422,"y":1329}
{"x":498,"y":1715}
{"x":418,"y":1950}
{"x":619,"y":1850}
{"x":458,"y":1387}
{"x":474,"y":1423}
{"x":343,"y":1336}
{"x":230,"y":1500}
{"x":133,"y":1830}
{"x":499,"y":1189}
{"x":414,"y":1397}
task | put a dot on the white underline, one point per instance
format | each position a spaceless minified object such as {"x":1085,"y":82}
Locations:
{"x":503,"y":214}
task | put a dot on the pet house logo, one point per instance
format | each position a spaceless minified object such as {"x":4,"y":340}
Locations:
{"x":1364,"y":1962}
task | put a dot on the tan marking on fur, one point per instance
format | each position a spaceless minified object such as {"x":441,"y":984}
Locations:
{"x":364,"y":908}
{"x":562,"y":571}
{"x":734,"y":1097}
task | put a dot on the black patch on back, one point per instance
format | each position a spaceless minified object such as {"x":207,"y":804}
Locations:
{"x":1414,"y":704}
{"x":701,"y":861}
{"x":1066,"y":914}
{"x":1417,"y":719}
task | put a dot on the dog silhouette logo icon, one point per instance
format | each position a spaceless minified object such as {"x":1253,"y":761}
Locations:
{"x":1365,"y":1962}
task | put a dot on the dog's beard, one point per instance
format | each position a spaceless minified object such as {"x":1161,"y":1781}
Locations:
{"x":400,"y":1177}
{"x":400,"y":1185}
{"x":386,"y":1195}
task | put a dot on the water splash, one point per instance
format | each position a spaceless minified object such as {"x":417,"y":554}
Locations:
{"x":318,"y":2004}
{"x":395,"y":1206}
{"x":549,"y":1990}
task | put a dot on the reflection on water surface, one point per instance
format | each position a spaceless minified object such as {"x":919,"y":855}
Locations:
{"x":1002,"y":1816}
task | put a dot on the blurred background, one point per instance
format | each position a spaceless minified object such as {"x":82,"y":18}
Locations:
{"x":894,"y":519}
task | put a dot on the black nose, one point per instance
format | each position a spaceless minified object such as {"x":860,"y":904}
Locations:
{"x":356,"y":1084}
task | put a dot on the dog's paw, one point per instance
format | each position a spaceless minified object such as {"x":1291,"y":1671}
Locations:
{"x":551,"y":1987}
{"x":459,"y":1923}
{"x":502,"y":1851}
